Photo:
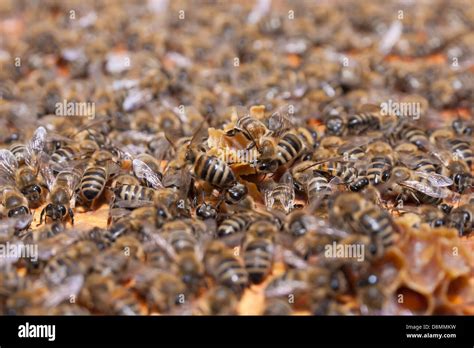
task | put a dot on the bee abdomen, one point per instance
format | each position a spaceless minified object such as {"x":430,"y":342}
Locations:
{"x":93,"y":182}
{"x":182,"y":241}
{"x":232,"y":274}
{"x":214,"y":171}
{"x":258,"y":260}
{"x":135,"y":193}
{"x":232,"y":225}
{"x":363,"y":121}
{"x":63,"y":154}
{"x":289,"y":147}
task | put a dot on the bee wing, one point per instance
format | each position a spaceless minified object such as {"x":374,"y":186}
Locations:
{"x":72,"y":177}
{"x":354,"y":142}
{"x":287,"y":179}
{"x":46,"y":170}
{"x":70,"y":286}
{"x":280,"y":120}
{"x":131,"y":204}
{"x":36,"y":144}
{"x":435,"y":179}
{"x":428,"y":190}
{"x":143,"y":171}
{"x":165,"y":245}
{"x":8,"y":164}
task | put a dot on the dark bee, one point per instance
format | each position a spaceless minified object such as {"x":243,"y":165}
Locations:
{"x":226,"y":268}
{"x":60,"y":197}
{"x":258,"y":248}
{"x":289,"y":147}
{"x":14,"y":202}
{"x":352,"y":212}
{"x":462,"y":218}
{"x":217,"y":173}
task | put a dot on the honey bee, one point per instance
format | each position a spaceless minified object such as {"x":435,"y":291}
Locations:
{"x":14,"y":202}
{"x":77,"y":259}
{"x":258,"y":249}
{"x":462,"y":127}
{"x":420,"y":187}
{"x":181,"y":238}
{"x":22,"y":165}
{"x":219,"y":301}
{"x":276,"y":306}
{"x":334,"y":117}
{"x":362,"y":122}
{"x":217,"y":173}
{"x":133,"y":196}
{"x":95,"y":176}
{"x":226,"y":268}
{"x":101,"y":295}
{"x":61,"y":197}
{"x":252,"y":128}
{"x":462,"y":179}
{"x":232,"y":228}
{"x":462,"y":218}
{"x":371,"y":295}
{"x":289,"y":147}
{"x":354,"y":213}
{"x":164,"y":292}
{"x":281,"y":196}
{"x":432,"y":215}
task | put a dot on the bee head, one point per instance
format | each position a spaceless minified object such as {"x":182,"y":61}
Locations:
{"x":236,"y":193}
{"x":267,"y":166}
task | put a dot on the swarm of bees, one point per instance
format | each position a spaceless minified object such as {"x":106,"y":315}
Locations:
{"x":221,"y":182}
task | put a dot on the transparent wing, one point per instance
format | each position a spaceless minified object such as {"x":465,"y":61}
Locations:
{"x":428,"y":190}
{"x":46,"y":170}
{"x":435,"y":179}
{"x":281,"y":120}
{"x":144,"y":172}
{"x":36,"y":144}
{"x":131,"y":204}
{"x":8,"y":164}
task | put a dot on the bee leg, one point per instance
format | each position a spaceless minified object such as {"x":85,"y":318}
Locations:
{"x":42,"y":215}
{"x":71,"y":215}
{"x":415,"y":198}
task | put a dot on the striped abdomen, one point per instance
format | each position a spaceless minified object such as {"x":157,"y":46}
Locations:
{"x":289,"y":147}
{"x":20,"y":152}
{"x":234,"y":224}
{"x":64,"y":154}
{"x":93,"y":182}
{"x":462,"y":150}
{"x":182,"y":241}
{"x":414,"y":135}
{"x":377,"y":167}
{"x":344,"y":172}
{"x":423,"y":165}
{"x":258,"y":259}
{"x":214,"y":171}
{"x":378,"y":225}
{"x":362,"y":122}
{"x":132,"y":193}
{"x":317,"y":186}
{"x":230,"y":272}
